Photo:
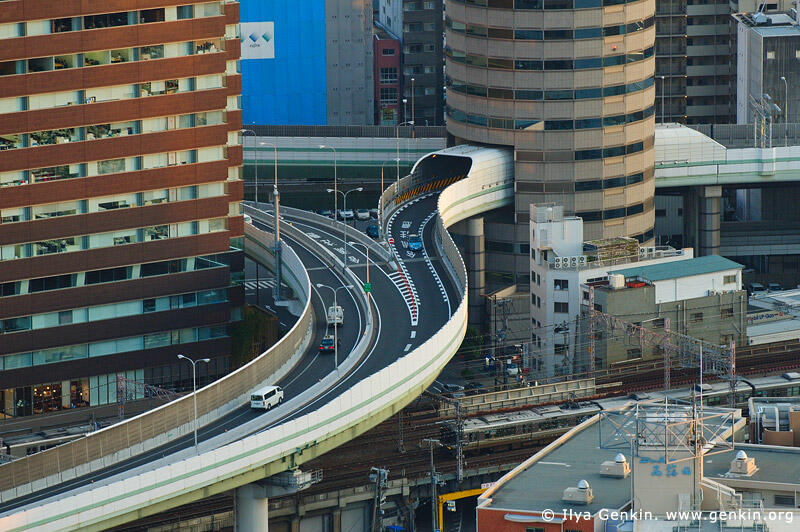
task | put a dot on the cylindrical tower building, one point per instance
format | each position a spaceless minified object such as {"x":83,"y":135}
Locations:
{"x":568,"y":85}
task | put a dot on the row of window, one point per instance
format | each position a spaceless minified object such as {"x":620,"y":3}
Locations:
{"x":114,"y":238}
{"x":548,"y":95}
{"x":549,"y":125}
{"x":111,"y":347}
{"x":583,"y":155}
{"x":51,"y":100}
{"x":113,"y":275}
{"x":480,"y":30}
{"x":109,"y":203}
{"x":109,"y":20}
{"x":114,"y":310}
{"x":107,"y":57}
{"x":548,"y":64}
{"x":107,"y":131}
{"x":611,"y":214}
{"x":111,"y":166}
{"x":539,"y":5}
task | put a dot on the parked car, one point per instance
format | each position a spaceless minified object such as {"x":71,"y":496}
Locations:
{"x":362,"y":214}
{"x":414,"y":242}
{"x":755,"y":288}
{"x":512,"y":369}
{"x":373,"y":231}
{"x":454,"y":390}
{"x":326,"y":212}
{"x":346,"y":214}
{"x":774,"y":287}
{"x":374,"y":213}
{"x":473,"y":388}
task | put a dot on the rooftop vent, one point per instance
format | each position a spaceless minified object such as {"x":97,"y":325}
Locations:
{"x":743,"y":465}
{"x":618,"y":468}
{"x":582,"y":494}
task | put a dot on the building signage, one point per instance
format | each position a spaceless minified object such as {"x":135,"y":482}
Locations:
{"x":258,"y":40}
{"x":761,"y":317}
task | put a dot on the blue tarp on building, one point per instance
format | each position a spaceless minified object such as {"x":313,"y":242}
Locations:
{"x":291,"y":87}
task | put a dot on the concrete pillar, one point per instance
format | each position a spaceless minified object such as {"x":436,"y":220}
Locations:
{"x":475,"y":261}
{"x":337,"y":520}
{"x":690,"y":218}
{"x":8,"y":399}
{"x":66,"y":394}
{"x":251,"y":509}
{"x":709,"y":219}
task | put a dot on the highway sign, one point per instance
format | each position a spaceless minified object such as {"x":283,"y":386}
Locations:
{"x":367,"y":288}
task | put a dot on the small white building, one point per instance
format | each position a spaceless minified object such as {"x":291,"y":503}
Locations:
{"x":560,"y":263}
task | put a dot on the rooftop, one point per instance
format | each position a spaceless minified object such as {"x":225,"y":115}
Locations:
{"x":770,"y":24}
{"x":683,"y":268}
{"x":540,"y":481}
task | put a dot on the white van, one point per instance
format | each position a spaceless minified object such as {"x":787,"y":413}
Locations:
{"x":266,"y":398}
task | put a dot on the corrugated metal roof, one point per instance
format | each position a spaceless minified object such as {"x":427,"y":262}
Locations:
{"x":681,"y":268}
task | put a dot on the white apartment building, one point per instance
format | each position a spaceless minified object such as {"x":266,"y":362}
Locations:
{"x":560,"y":263}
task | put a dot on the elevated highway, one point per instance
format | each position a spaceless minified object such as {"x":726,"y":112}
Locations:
{"x":410,"y":327}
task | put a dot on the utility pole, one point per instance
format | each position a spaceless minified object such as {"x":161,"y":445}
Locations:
{"x":378,"y":476}
{"x":434,"y":480}
{"x":592,"y":346}
{"x":400,"y":444}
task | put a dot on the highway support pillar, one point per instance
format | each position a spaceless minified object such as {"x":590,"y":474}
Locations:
{"x":471,"y":231}
{"x":710,"y":218}
{"x":702,"y":215}
{"x":251,"y":508}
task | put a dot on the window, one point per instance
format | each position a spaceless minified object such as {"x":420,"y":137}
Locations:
{"x":561,"y":307}
{"x":388,"y":51}
{"x":697,"y":317}
{"x":634,"y":353}
{"x":388,"y":75}
{"x":658,"y":323}
{"x":726,"y":313}
{"x":784,"y":500}
{"x":560,"y":284}
{"x":533,"y":528}
{"x":729,"y":279}
{"x":388,"y":96}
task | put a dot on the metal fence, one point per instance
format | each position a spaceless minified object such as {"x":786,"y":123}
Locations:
{"x":349,"y":131}
{"x":743,"y":135}
{"x":156,"y":427}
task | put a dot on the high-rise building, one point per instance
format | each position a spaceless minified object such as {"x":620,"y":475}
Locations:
{"x":423,"y":64}
{"x":388,"y":64}
{"x":120,"y":190}
{"x":307,"y":62}
{"x":767,"y":68}
{"x":693,"y":61}
{"x":568,"y":86}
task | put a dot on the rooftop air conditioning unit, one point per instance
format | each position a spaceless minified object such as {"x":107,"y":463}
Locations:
{"x":573,"y":261}
{"x":617,"y":468}
{"x":557,"y":263}
{"x":582,"y":260}
{"x":582,"y":494}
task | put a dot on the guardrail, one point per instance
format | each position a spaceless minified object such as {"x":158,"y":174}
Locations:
{"x":276,"y":449}
{"x":156,"y":427}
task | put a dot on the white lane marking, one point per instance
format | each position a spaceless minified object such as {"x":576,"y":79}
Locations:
{"x":408,"y":346}
{"x":430,"y":264}
{"x":413,"y":334}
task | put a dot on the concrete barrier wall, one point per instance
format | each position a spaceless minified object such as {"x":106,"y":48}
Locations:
{"x":158,"y":426}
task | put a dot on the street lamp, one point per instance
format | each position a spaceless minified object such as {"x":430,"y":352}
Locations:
{"x":380,"y":211}
{"x":366,"y":248}
{"x":344,"y":209}
{"x":194,"y":389}
{"x":785,"y":112}
{"x":276,"y":198}
{"x":397,"y":145}
{"x":412,"y":105}
{"x":335,"y":186}
{"x":255,"y":155}
{"x":335,"y":328}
